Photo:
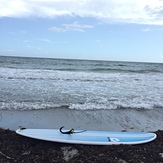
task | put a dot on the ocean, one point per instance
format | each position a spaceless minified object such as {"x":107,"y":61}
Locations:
{"x":43,"y":83}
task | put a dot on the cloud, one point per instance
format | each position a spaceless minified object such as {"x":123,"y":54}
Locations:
{"x":99,"y":43}
{"x":22,"y":32}
{"x":56,"y":29}
{"x":26,"y":41}
{"x":154,"y":28}
{"x":34,"y":47}
{"x":74,"y":26}
{"x":38,"y":39}
{"x":161,"y":55}
{"x":110,"y":11}
{"x":8,"y":50}
{"x":147,"y":29}
{"x":44,"y":40}
{"x":29,"y":46}
{"x":77,"y":27}
{"x":38,"y":48}
{"x":19,"y":32}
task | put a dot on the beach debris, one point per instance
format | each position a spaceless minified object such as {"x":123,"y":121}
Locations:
{"x":26,"y":153}
{"x":161,"y":155}
{"x":121,"y":161}
{"x":69,"y":153}
{"x":7,"y":157}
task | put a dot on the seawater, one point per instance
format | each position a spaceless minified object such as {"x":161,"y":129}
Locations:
{"x":41,"y":83}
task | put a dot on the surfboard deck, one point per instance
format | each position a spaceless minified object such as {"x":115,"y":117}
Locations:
{"x":89,"y":137}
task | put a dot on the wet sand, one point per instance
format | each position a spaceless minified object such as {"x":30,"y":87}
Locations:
{"x":109,"y":120}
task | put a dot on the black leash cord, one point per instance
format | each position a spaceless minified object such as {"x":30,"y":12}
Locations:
{"x":66,"y":132}
{"x":70,"y":131}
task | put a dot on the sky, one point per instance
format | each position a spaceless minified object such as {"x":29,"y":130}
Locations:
{"x":114,"y":30}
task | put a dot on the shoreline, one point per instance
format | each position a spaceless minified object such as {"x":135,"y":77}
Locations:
{"x":106,"y":120}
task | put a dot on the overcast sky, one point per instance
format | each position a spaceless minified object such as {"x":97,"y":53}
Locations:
{"x":118,"y":30}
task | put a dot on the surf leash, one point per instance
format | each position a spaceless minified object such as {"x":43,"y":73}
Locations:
{"x":72,"y":131}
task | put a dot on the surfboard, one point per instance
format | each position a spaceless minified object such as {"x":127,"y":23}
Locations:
{"x":88,"y":137}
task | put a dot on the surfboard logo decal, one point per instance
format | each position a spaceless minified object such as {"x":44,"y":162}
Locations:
{"x":113,"y":139}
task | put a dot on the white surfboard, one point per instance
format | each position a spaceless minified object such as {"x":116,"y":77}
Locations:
{"x":88,"y":137}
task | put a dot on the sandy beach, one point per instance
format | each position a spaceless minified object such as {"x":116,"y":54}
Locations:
{"x":16,"y":148}
{"x":109,"y":120}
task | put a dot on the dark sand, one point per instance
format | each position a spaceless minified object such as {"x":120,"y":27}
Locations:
{"x":16,"y":148}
